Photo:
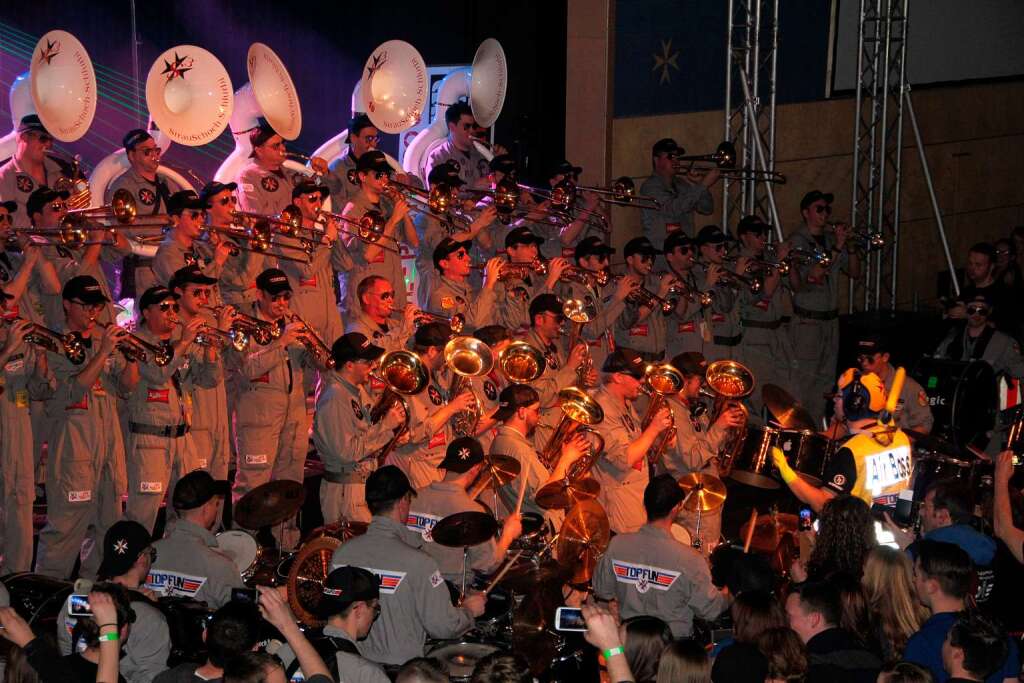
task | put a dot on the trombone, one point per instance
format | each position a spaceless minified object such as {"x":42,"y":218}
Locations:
{"x":506,"y":202}
{"x":440,"y":202}
{"x":71,"y":233}
{"x":724,"y":159}
{"x":259,"y":239}
{"x":623,"y":193}
{"x":123,"y":209}
{"x":369,"y":227}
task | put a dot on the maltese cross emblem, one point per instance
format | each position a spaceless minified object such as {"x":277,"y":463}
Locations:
{"x":121,"y":547}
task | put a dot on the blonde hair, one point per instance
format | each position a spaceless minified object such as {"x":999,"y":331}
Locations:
{"x":889,"y":587}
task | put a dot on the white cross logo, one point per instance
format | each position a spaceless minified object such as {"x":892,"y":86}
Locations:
{"x":121,"y":547}
{"x":463,"y":454}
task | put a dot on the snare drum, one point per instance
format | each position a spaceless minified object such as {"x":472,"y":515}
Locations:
{"x":680,"y":533}
{"x":241,"y":547}
{"x":459,"y":659}
{"x":535,"y":534}
{"x":496,"y":620}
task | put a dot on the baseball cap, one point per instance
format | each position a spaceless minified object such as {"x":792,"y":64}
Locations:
{"x":185,"y":199}
{"x":872,"y":343}
{"x":546,"y":303}
{"x":259,"y":134}
{"x":356,"y":126}
{"x":373,"y":160}
{"x":522,"y":235}
{"x":751,"y":224}
{"x":625,"y":361}
{"x":386,"y":484}
{"x":564,"y":168}
{"x":432,"y":334}
{"x":84,"y":288}
{"x":122,"y":544}
{"x":189,"y":275}
{"x":666,"y":146}
{"x":513,"y":397}
{"x":462,"y":455}
{"x":503,"y":163}
{"x":134,"y":137}
{"x":640,"y":245}
{"x":353,"y":346}
{"x":446,"y":248}
{"x":309,"y":187}
{"x":345,"y":585}
{"x":155,"y":295}
{"x":677,"y":238}
{"x":661,"y":494}
{"x":690,"y":363}
{"x":212,"y":189}
{"x":815,"y":195}
{"x":492,"y":334}
{"x":273,"y":281}
{"x":592,"y":246}
{"x":445,"y":173}
{"x":41,"y":197}
{"x":711,"y":234}
{"x":196,"y":488}
{"x":979,"y":298}
{"x":10,"y":205}
{"x":31,"y":122}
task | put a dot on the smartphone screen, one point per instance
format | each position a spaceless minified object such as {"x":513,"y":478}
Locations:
{"x":569,"y":619}
{"x":805,"y":518}
{"x":78,"y":605}
{"x":247,"y":595}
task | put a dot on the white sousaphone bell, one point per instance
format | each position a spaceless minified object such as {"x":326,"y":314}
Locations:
{"x":336,"y":146}
{"x":63,"y":85}
{"x":189,"y":95}
{"x":394,"y":87}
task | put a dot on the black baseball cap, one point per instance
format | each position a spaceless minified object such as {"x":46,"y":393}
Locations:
{"x":122,"y":544}
{"x":387,"y":484}
{"x":183,"y":200}
{"x":41,"y":197}
{"x":196,"y":488}
{"x":625,"y":361}
{"x":445,"y":173}
{"x":711,"y":234}
{"x":10,"y":205}
{"x":564,"y":168}
{"x":676,"y":239}
{"x":872,"y":343}
{"x":640,"y":245}
{"x":309,"y":187}
{"x":273,"y":281}
{"x":259,"y":134}
{"x":356,"y":126}
{"x":513,"y":397}
{"x":751,"y":224}
{"x":546,"y":302}
{"x":503,"y":163}
{"x":212,"y":189}
{"x":344,"y":586}
{"x":522,"y":235}
{"x":446,"y":248}
{"x":30,"y":123}
{"x":433,"y":334}
{"x":815,"y":195}
{"x":462,"y":455}
{"x":134,"y":137}
{"x":155,"y":295}
{"x":492,"y":334}
{"x":190,"y":275}
{"x":354,"y":346}
{"x":666,"y":146}
{"x":374,"y":160}
{"x":690,"y":363}
{"x":592,"y":246}
{"x":85,"y":289}
{"x":979,"y":298}
{"x":661,"y":494}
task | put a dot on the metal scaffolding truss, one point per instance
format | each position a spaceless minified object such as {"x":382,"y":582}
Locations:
{"x":877,"y":144}
{"x":751,"y":58}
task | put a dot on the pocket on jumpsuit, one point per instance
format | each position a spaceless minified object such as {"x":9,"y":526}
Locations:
{"x":75,"y":470}
{"x":806,"y":341}
{"x":148,"y":469}
{"x":257,"y":431}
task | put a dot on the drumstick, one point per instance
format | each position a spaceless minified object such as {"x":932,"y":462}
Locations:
{"x":504,"y":570}
{"x":522,"y":493}
{"x":750,"y":531}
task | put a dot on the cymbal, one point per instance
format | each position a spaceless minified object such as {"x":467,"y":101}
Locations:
{"x":526,"y":575}
{"x":931,"y":442}
{"x":501,"y":469}
{"x":533,"y":627}
{"x":787,"y":411}
{"x":306,"y":578}
{"x":768,"y":531}
{"x":562,"y":495}
{"x":583,"y":539}
{"x":703,"y":491}
{"x":269,"y":504}
{"x":464,"y":529}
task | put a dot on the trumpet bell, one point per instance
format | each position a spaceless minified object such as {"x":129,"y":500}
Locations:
{"x":729,"y":379}
{"x":468,"y":356}
{"x":489,"y":83}
{"x":394,"y":87}
{"x":63,"y":86}
{"x":404,"y":371}
{"x":274,"y":91}
{"x":580,"y":407}
{"x":725,"y":155}
{"x":664,"y":379}
{"x":521,"y":362}
{"x":189,"y":95}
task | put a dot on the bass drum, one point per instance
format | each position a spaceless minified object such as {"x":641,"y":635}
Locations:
{"x":37,"y":598}
{"x":459,"y":659}
{"x":963,"y":395}
{"x":806,"y":452}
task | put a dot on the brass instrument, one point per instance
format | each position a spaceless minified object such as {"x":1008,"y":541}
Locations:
{"x":506,"y":195}
{"x":72,"y":180}
{"x":728,"y":382}
{"x":467,"y":357}
{"x":316,"y":164}
{"x":440,"y":202}
{"x":518,"y":271}
{"x":803,"y":256}
{"x":660,"y":382}
{"x":580,"y":312}
{"x":257,"y":234}
{"x":734,"y":279}
{"x":369,"y":227}
{"x":122,"y":209}
{"x":405,"y":374}
{"x":863,"y":239}
{"x":260,"y":331}
{"x":587,"y":278}
{"x":71,"y":234}
{"x":70,"y":344}
{"x":641,"y":296}
{"x":315,"y":346}
{"x":456,"y":322}
{"x":209,"y":335}
{"x":521,"y":362}
{"x":724,"y":159}
{"x":562,"y":199}
{"x":137,"y":349}
{"x":681,"y":289}
{"x":623,"y":193}
{"x":579,"y":413}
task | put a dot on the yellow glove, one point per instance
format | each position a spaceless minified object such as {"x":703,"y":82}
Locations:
{"x":785,"y":471}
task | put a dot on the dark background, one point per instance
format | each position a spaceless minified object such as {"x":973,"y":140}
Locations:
{"x":323,"y":45}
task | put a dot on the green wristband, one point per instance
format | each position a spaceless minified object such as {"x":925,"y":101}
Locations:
{"x":612,"y":651}
{"x":109,"y":637}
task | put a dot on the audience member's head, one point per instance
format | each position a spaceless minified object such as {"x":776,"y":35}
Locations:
{"x":785,"y":654}
{"x":946,"y":502}
{"x":855,"y":616}
{"x":905,"y":672}
{"x":974,"y":648}
{"x":644,"y":639}
{"x":814,"y":607}
{"x":233,"y":630}
{"x":254,"y":667}
{"x":846,"y":534}
{"x":661,"y":497}
{"x":502,"y":667}
{"x":754,"y":612}
{"x":684,"y":661}
{"x":888,"y":584}
{"x":421,"y":670}
{"x":942,"y":573}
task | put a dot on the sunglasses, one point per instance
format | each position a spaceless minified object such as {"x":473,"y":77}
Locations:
{"x":201,"y":293}
{"x":195,"y":215}
{"x":977,"y":310}
{"x":865,"y":358}
{"x":314,"y":198}
{"x":88,"y":307}
{"x":826,"y":209}
{"x":380,"y":175}
{"x":149,"y":152}
{"x":59,"y":206}
{"x":371,"y":139}
{"x":43,"y":138}
{"x":224,"y":201}
{"x":169,"y":306}
{"x":386,"y":296}
{"x":718,"y":247}
{"x":283,"y":296}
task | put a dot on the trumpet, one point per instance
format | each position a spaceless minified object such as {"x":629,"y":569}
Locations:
{"x":641,"y":296}
{"x":521,"y":362}
{"x":315,"y":346}
{"x":580,"y":312}
{"x":260,"y":331}
{"x":214,"y":337}
{"x":467,"y":357}
{"x":724,"y":159}
{"x":134,"y":348}
{"x":814,"y":258}
{"x":456,"y":322}
{"x":70,"y":344}
{"x":679,"y":288}
{"x":518,"y":271}
{"x":405,"y":374}
{"x":623,"y":193}
{"x":864,"y":239}
{"x":369,"y":227}
{"x":734,"y":279}
{"x":660,"y":382}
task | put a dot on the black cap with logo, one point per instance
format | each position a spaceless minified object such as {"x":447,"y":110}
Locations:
{"x":462,"y":455}
{"x":122,"y":544}
{"x":155,"y":295}
{"x":353,"y":346}
{"x":512,"y":398}
{"x":84,"y":289}
{"x":344,"y":586}
{"x":273,"y":281}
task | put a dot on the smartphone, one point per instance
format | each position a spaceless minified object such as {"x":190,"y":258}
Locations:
{"x":805,"y":519}
{"x":246,"y":595}
{"x":569,"y":619}
{"x":902,"y":513}
{"x":78,"y":605}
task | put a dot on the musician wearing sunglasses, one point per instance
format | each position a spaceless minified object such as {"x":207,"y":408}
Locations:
{"x":31,"y":167}
{"x":453,"y":291}
{"x":585,"y":221}
{"x":814,"y":331}
{"x":680,"y":195}
{"x":183,"y":246}
{"x":265,"y":184}
{"x":86,"y":458}
{"x":236,"y":283}
{"x":376,"y":258}
{"x":160,"y":447}
{"x":722,"y":331}
{"x":377,"y":318}
{"x":685,"y":325}
{"x":363,"y":137}
{"x":978,"y":339}
{"x":640,"y":327}
{"x":459,"y":147}
{"x":514,"y":295}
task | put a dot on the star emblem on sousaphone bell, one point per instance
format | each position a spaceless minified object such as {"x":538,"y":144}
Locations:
{"x":51,"y":50}
{"x":379,"y":60}
{"x":178,"y":68}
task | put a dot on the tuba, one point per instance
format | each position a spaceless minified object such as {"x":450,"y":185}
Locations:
{"x":468,"y":357}
{"x":405,"y":374}
{"x":521,"y":362}
{"x":660,"y":382}
{"x":728,"y":382}
{"x":394,"y":87}
{"x":579,"y":412}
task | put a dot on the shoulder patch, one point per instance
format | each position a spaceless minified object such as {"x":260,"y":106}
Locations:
{"x":435,"y":395}
{"x":24,"y":183}
{"x":269,"y":183}
{"x":490,"y":391}
{"x":644,"y":577}
{"x":447,"y":302}
{"x":147,"y":196}
{"x":422,"y":523}
{"x":174,"y":584}
{"x":357,"y":409}
{"x":436,"y":579}
{"x":389,"y":580}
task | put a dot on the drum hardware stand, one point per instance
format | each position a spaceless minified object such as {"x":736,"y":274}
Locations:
{"x":465,"y":560}
{"x":696,"y":543}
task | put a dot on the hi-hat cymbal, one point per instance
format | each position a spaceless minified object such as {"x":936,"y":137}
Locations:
{"x":563,"y":494}
{"x":768,"y":531}
{"x":705,"y":492}
{"x":583,"y":539}
{"x":464,"y":529}
{"x":501,"y":469}
{"x":787,"y":410}
{"x":269,"y":504}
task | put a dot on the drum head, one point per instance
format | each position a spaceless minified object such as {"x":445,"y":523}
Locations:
{"x":240,"y":547}
{"x":63,"y":86}
{"x":459,"y":659}
{"x":963,"y":395}
{"x":680,"y":533}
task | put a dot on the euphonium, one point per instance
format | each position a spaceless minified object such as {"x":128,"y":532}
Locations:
{"x":138,"y":349}
{"x":580,"y":312}
{"x":579,"y":412}
{"x":660,"y":381}
{"x":727,"y":383}
{"x":468,"y":357}
{"x":521,"y":362}
{"x":405,"y":374}
{"x":70,"y":344}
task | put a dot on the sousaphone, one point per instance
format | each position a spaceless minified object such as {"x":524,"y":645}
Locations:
{"x":489,"y":83}
{"x":63,"y":85}
{"x":189,"y":95}
{"x":394,"y":86}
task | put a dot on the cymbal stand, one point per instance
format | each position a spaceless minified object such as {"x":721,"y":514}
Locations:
{"x":465,"y":562}
{"x":696,"y":543}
